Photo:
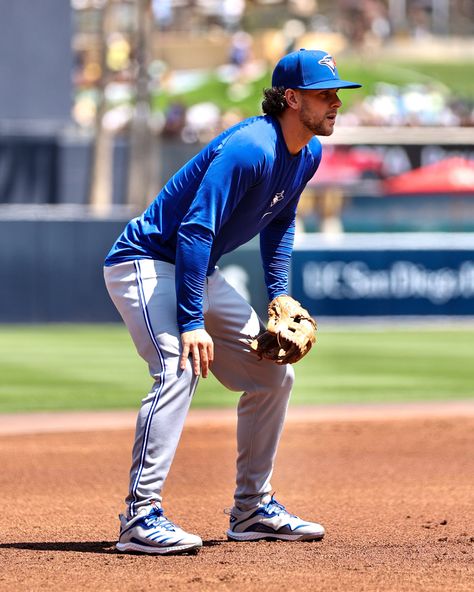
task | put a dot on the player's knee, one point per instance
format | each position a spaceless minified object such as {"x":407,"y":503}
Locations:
{"x":171,"y":372}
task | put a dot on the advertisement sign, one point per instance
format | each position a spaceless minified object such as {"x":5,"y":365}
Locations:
{"x":386,"y":280}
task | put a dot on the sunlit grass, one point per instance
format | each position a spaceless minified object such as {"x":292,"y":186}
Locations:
{"x":59,"y":367}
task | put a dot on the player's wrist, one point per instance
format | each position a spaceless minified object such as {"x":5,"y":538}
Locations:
{"x":191,"y":326}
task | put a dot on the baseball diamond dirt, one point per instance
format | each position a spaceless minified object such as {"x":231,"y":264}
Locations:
{"x":394,"y":489}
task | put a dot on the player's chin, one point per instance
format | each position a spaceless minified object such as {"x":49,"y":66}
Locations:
{"x":325,"y":131}
{"x":329,"y":126}
{"x":325,"y":128}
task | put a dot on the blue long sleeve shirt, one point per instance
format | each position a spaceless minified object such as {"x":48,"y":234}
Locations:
{"x":244,"y":183}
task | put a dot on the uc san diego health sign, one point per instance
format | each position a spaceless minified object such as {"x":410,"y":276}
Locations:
{"x":402,"y":274}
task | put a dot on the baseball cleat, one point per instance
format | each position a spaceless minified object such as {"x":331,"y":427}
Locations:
{"x":153,"y":533}
{"x":271,"y":521}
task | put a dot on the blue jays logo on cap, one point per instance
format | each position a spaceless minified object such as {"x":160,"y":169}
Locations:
{"x":309,"y":69}
{"x":328,"y":61}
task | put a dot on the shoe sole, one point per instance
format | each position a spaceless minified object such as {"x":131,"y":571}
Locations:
{"x":258,"y":536}
{"x":134,"y":547}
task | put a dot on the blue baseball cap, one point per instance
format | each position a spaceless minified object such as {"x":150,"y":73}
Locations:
{"x":309,"y":69}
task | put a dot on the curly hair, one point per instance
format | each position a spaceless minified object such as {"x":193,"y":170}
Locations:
{"x":274,"y":102}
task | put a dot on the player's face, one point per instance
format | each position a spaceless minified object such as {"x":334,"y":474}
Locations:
{"x":318,"y":110}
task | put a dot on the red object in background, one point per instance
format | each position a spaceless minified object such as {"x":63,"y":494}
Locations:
{"x":452,"y":175}
{"x":344,"y":167}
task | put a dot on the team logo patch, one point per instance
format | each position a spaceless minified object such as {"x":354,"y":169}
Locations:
{"x":329,"y":62}
{"x":278,"y":197}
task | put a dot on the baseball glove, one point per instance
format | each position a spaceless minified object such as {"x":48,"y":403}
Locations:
{"x":290,"y":332}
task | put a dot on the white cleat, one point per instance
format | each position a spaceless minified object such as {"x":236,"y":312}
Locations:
{"x":271,"y":521}
{"x":153,"y":533}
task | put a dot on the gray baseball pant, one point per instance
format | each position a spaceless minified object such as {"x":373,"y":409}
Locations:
{"x":144,"y":293}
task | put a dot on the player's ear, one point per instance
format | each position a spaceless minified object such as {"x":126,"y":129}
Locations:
{"x":292,"y":98}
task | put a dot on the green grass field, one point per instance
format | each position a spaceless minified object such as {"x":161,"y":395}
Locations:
{"x":59,"y":367}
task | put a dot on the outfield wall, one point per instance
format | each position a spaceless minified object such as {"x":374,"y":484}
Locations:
{"x":51,"y":271}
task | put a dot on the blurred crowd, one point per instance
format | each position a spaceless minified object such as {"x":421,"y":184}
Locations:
{"x":358,"y":20}
{"x":364,"y":24}
{"x":411,"y":105}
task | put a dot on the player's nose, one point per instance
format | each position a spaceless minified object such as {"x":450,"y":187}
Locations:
{"x":336,"y":102}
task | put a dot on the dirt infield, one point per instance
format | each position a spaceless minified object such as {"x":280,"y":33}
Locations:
{"x":396,"y":494}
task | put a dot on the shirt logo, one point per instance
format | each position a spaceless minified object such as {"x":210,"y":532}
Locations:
{"x":278,"y":197}
{"x":275,"y":199}
{"x":329,"y":62}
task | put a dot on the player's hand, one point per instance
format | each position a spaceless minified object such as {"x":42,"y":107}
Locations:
{"x":199,"y":345}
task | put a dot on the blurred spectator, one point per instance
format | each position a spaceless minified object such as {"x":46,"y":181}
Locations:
{"x":419,"y":18}
{"x":162,"y":13}
{"x":292,"y":30}
{"x":240,"y":49}
{"x":118,"y":52}
{"x":201,"y":122}
{"x":378,"y":20}
{"x":175,"y":119}
{"x":303,"y":8}
{"x":225,"y":13}
{"x":365,"y":22}
{"x":232,"y":12}
{"x":353,"y":24}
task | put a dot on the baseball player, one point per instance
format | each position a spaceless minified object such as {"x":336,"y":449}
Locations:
{"x":186,"y":320}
